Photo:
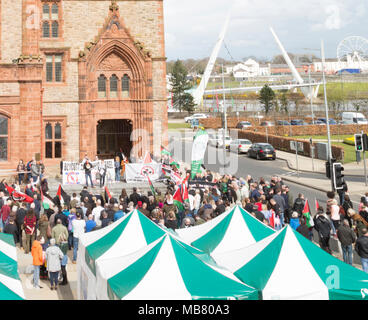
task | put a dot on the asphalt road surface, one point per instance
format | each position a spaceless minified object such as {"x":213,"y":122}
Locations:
{"x":241,"y":166}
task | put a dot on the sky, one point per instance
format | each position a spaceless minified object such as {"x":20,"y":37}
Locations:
{"x":193,"y":26}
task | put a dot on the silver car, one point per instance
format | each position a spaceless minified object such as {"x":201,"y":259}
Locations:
{"x":240,"y":145}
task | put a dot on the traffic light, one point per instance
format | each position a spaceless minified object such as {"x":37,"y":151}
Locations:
{"x":365,"y":142}
{"x":338,"y":176}
{"x":328,"y":167}
{"x":359,"y":142}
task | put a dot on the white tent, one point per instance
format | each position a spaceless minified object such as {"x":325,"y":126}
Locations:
{"x":233,"y":229}
{"x":130,"y":233}
{"x":287,"y":266}
{"x":167,"y":269}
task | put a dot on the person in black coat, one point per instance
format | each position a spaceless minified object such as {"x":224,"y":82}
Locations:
{"x":303,"y":228}
{"x":323,"y":227}
{"x":11,"y":228}
{"x":135,"y":197}
{"x":19,"y":219}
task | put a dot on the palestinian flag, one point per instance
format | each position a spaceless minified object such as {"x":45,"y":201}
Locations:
{"x":108,"y":195}
{"x":18,"y":196}
{"x":306,"y":213}
{"x":151,"y":186}
{"x":272,"y":219}
{"x":317,"y":205}
{"x":184,"y":190}
{"x":46,"y":201}
{"x":178,"y":201}
{"x":62,"y":195}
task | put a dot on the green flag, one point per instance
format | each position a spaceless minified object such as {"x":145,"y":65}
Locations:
{"x":198,"y":151}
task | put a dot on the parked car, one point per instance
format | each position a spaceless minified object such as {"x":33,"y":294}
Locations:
{"x":195,"y":116}
{"x":220,"y":142}
{"x":240,"y":145}
{"x":330,"y":121}
{"x":317,"y":122}
{"x":298,"y":122}
{"x":262,"y":151}
{"x":282,"y":123}
{"x":354,"y":117}
{"x":243,"y":125}
{"x":267,"y":124}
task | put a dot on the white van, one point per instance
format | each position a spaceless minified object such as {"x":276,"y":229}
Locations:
{"x":353,"y":117}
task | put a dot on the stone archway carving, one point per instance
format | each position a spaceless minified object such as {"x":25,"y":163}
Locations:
{"x":114,"y":53}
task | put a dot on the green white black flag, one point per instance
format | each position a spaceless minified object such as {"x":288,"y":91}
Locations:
{"x":198,"y":151}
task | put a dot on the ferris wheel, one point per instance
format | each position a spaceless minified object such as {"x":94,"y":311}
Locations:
{"x":353,"y":49}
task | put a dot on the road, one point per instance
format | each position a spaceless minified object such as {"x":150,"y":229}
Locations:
{"x":241,"y":166}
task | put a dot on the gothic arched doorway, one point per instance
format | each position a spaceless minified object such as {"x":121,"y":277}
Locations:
{"x":113,"y":135}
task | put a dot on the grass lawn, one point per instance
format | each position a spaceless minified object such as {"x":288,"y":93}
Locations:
{"x":349,"y":151}
{"x":176,"y":126}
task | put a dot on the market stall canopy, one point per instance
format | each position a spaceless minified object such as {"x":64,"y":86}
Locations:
{"x":232,"y":230}
{"x":127,"y":235}
{"x":287,"y":265}
{"x":167,"y":269}
{"x":10,"y":284}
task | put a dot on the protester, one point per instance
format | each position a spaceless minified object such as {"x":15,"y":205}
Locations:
{"x":79,"y":227}
{"x":38,"y":260}
{"x":323,"y":227}
{"x":30,"y":230}
{"x":87,"y":171}
{"x":361,"y":247}
{"x":21,"y":168}
{"x":294,"y":221}
{"x":53,"y":258}
{"x":347,"y":237}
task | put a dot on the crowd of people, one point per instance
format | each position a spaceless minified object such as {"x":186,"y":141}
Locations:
{"x":49,"y":232}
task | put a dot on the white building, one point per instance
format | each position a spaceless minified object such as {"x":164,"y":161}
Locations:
{"x":248,"y":69}
{"x":333,"y":65}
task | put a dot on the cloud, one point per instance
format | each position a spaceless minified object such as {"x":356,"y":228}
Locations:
{"x":194,"y":25}
{"x":333,"y":21}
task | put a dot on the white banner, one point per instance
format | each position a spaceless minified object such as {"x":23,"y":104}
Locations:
{"x":73,"y":172}
{"x":137,"y":172}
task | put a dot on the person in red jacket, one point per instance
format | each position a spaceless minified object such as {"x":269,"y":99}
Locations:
{"x":38,"y":260}
{"x":30,"y":229}
{"x":4,"y":213}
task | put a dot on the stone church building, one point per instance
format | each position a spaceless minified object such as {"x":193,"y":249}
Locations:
{"x":81,"y":76}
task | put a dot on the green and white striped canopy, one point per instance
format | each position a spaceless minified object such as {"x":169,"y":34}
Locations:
{"x":232,"y":230}
{"x":167,"y":269}
{"x":288,"y":266}
{"x":10,"y":284}
{"x":127,"y":235}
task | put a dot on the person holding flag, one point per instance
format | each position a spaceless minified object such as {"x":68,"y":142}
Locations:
{"x":308,"y":218}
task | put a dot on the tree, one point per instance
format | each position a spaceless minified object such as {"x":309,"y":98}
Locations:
{"x":284,"y":102}
{"x":182,"y":100}
{"x":266,"y":98}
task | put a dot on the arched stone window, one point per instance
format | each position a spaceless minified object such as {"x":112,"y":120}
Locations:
{"x":113,"y":86}
{"x":125,"y":86}
{"x":3,"y":138}
{"x":45,"y":11}
{"x":55,"y":29}
{"x":101,"y":84}
{"x":45,"y":29}
{"x":54,"y":12}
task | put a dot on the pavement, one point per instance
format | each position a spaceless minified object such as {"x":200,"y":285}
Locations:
{"x":308,"y":165}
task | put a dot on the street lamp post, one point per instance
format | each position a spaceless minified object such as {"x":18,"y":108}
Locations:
{"x":329,"y":152}
{"x":225,"y":120}
{"x":311,"y":92}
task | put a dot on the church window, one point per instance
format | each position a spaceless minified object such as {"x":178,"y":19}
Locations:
{"x":3,"y":138}
{"x":53,"y":140}
{"x":113,"y":86}
{"x":50,"y":18}
{"x":125,"y":86}
{"x":101,"y":86}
